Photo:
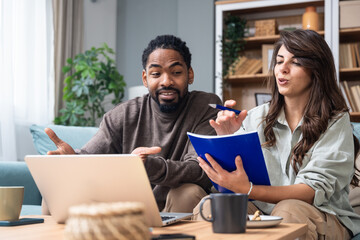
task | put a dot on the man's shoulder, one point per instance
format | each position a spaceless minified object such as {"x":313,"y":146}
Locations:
{"x":198,"y":104}
{"x":131,"y":105}
{"x":204,"y":97}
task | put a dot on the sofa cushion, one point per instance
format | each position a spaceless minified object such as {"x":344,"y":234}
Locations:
{"x":354,"y":195}
{"x":356,"y":129}
{"x":18,"y":174}
{"x":75,"y":136}
{"x":30,"y":210}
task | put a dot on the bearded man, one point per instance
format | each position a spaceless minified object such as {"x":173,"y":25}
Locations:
{"x":154,"y":126}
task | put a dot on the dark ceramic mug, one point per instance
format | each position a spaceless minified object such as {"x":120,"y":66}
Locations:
{"x":228,"y":212}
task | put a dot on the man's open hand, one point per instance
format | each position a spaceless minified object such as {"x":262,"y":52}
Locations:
{"x":143,"y":152}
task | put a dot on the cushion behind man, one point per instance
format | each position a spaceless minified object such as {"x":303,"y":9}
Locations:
{"x":73,"y":135}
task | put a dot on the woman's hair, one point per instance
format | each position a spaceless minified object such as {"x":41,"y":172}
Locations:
{"x":325,"y":101}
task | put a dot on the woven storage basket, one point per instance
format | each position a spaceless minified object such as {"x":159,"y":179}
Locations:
{"x":265,"y":27}
{"x":110,"y":221}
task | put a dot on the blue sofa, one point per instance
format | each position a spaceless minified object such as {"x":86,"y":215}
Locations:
{"x":18,"y":174}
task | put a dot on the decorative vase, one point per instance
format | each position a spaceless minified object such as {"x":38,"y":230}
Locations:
{"x":310,"y":19}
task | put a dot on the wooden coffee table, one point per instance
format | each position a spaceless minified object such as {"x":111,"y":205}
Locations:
{"x":202,"y":230}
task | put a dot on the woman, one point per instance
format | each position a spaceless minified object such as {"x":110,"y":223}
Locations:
{"x":306,"y":138}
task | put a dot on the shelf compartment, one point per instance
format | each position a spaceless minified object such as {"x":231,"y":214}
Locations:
{"x":355,"y":116}
{"x":349,"y":34}
{"x":350,"y":73}
{"x":289,"y":6}
{"x":239,"y":79}
{"x":252,"y":42}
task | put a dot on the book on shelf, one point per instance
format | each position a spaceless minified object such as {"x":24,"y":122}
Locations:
{"x":255,"y":67}
{"x":352,"y":93}
{"x":244,"y":66}
{"x":225,"y":148}
{"x":346,"y":93}
{"x":343,"y":56}
{"x":235,"y":65}
{"x":357,"y":53}
{"x":353,"y":55}
{"x":349,"y":56}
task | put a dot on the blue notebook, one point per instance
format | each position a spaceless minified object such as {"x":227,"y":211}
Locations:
{"x":225,"y":148}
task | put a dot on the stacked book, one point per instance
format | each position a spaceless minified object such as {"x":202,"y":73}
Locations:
{"x":351,"y":92}
{"x":245,"y":66}
{"x":349,"y":55}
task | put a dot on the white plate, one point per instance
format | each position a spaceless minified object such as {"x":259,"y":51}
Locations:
{"x":266,"y":221}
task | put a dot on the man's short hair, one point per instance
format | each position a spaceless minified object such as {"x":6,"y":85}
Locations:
{"x":167,"y":42}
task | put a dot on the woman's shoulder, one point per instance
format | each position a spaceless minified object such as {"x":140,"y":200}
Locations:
{"x":256,"y":116}
{"x":259,"y":111}
{"x":340,"y":120}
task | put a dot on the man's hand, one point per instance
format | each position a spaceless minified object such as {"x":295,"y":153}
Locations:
{"x":227,"y":122}
{"x":62,"y":147}
{"x":143,"y":152}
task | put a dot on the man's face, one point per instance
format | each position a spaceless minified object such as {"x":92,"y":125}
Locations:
{"x":167,"y":78}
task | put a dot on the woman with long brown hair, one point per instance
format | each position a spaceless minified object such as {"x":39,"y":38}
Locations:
{"x":306,"y":138}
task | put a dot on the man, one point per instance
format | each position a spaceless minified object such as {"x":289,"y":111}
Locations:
{"x":161,"y":119}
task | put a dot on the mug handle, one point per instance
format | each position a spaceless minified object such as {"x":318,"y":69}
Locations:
{"x":201,"y":209}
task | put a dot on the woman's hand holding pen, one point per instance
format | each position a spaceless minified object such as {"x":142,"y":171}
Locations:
{"x":236,"y":181}
{"x":227,"y":122}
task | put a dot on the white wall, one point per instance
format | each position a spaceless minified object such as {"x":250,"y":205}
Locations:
{"x":196,"y":26}
{"x":127,"y":26}
{"x":138,"y":22}
{"x":99,"y":23}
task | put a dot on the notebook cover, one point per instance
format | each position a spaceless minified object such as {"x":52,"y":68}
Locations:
{"x":224,"y":149}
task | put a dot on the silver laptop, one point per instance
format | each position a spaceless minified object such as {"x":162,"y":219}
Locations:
{"x":68,"y":180}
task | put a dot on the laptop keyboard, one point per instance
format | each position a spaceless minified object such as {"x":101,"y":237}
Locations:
{"x":164,"y":218}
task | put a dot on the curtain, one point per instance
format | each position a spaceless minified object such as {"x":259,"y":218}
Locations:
{"x":26,"y":67}
{"x":68,"y":29}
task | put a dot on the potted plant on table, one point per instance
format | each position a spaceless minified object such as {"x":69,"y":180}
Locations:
{"x":92,"y":77}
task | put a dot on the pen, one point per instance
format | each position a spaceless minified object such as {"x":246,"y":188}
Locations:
{"x":217,"y":106}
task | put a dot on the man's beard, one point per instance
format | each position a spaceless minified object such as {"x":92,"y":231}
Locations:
{"x":168,"y":107}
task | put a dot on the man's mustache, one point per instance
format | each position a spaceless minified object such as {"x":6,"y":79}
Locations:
{"x":166,"y":89}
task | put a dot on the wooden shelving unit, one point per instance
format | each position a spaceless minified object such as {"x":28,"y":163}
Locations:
{"x":267,"y":39}
{"x":349,"y":34}
{"x":355,"y":116}
{"x":256,"y":78}
{"x":243,"y":88}
{"x":351,"y":75}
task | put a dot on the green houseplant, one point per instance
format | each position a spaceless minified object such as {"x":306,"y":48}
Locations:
{"x":91,"y":76}
{"x":232,"y":41}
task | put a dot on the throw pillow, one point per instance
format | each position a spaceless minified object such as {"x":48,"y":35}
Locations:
{"x":76,"y":137}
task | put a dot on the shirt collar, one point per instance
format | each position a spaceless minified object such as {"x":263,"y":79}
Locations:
{"x":281,"y":119}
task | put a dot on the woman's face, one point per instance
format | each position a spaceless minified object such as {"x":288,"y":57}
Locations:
{"x":292,"y":79}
